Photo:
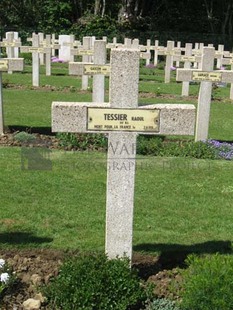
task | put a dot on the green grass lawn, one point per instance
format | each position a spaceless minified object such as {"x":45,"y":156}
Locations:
{"x":35,"y":104}
{"x":178,"y":202}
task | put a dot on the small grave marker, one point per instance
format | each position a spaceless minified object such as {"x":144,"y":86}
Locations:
{"x":98,"y":70}
{"x":11,"y":44}
{"x":169,"y":60}
{"x":229,"y":61}
{"x":64,"y":52}
{"x":36,"y":50}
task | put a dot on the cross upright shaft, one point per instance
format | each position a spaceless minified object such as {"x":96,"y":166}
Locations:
{"x":121,"y":156}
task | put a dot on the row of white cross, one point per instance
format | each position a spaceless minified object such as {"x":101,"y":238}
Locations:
{"x":41,"y":47}
{"x":206,"y":75}
{"x":98,"y":68}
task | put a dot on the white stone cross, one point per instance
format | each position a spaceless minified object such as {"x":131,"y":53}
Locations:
{"x":178,"y":47}
{"x":99,"y":69}
{"x":48,"y":48}
{"x":156,"y":52}
{"x":6,"y":65}
{"x":11,"y":44}
{"x":187,"y":58}
{"x":48,"y":53}
{"x":86,"y":53}
{"x":54,"y":44}
{"x":206,"y":75}
{"x":36,"y":50}
{"x":122,"y":119}
{"x":228,"y":60}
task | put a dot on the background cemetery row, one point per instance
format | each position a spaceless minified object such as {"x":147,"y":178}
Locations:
{"x":92,"y":55}
{"x":187,"y":21}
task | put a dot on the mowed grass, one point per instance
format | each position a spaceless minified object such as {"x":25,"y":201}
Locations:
{"x":35,"y":104}
{"x":178,"y":202}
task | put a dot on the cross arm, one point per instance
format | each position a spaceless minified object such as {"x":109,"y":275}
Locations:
{"x":10,"y":44}
{"x":174,"y":119}
{"x":227,"y":61}
{"x":145,"y":55}
{"x":32,"y":49}
{"x":71,"y":116}
{"x":82,"y":68}
{"x":11,"y":64}
{"x":199,"y":75}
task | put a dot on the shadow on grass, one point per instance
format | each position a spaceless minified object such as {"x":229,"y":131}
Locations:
{"x":60,"y":74}
{"x":28,"y":129}
{"x":174,"y":255}
{"x":22,"y":238}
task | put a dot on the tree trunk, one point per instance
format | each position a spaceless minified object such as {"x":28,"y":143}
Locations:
{"x":97,"y":7}
{"x":228,"y":13}
{"x":103,"y":8}
{"x":209,"y":11}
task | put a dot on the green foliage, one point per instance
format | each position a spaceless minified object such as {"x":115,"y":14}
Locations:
{"x":152,"y":145}
{"x":5,"y":83}
{"x":207,"y":283}
{"x":146,"y":145}
{"x":149,"y":145}
{"x":24,"y":137}
{"x":94,"y":282}
{"x":162,"y":304}
{"x":92,"y":25}
{"x":56,"y":15}
{"x":27,"y":58}
{"x":83,"y":142}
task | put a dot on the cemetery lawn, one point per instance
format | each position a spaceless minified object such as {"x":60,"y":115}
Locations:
{"x":182,"y":205}
{"x":179,"y":202}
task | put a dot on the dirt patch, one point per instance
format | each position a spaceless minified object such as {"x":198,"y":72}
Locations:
{"x":35,"y":267}
{"x":39,"y":140}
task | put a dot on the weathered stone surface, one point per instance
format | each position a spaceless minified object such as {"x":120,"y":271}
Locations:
{"x":14,"y":64}
{"x":77,"y":68}
{"x":71,"y":116}
{"x":36,"y":279}
{"x":175,"y":119}
{"x":31,"y":304}
{"x":64,"y":51}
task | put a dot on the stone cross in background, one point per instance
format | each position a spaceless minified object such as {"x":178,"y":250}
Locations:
{"x":206,"y":75}
{"x":36,"y":50}
{"x":12,"y":45}
{"x":98,"y":70}
{"x":123,"y":120}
